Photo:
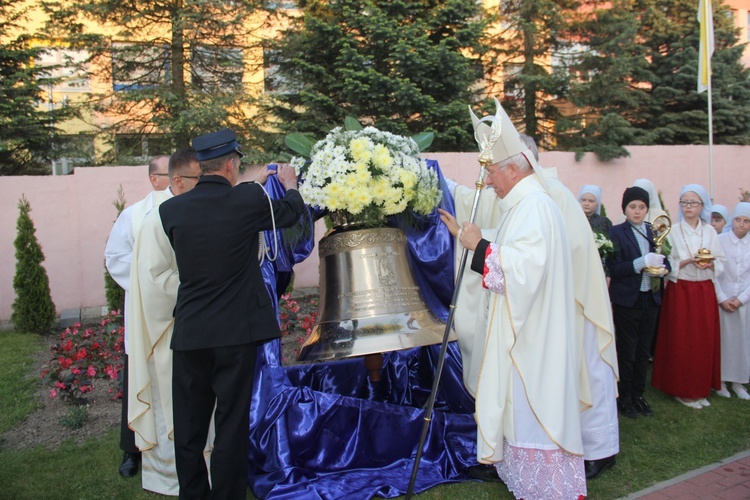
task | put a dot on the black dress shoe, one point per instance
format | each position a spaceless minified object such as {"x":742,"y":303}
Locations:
{"x":486,"y":473}
{"x":642,"y":406}
{"x":129,"y":465}
{"x":594,"y":468}
{"x":628,"y":409}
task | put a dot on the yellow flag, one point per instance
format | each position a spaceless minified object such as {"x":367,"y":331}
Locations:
{"x":706,"y":20}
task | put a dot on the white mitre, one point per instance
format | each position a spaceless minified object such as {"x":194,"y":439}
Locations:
{"x":499,"y":140}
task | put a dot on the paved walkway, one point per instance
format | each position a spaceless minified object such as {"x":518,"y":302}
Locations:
{"x":728,"y":479}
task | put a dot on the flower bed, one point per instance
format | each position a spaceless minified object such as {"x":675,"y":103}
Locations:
{"x":83,"y":355}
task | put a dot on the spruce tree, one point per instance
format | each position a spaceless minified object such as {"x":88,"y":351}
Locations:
{"x":27,"y":131}
{"x":113,"y":292}
{"x":676,"y":113}
{"x":525,"y":51}
{"x":33,"y":310}
{"x":640,"y":66}
{"x":404,"y":67}
{"x":602,"y":72}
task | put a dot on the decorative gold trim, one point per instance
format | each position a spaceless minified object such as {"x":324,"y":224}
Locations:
{"x":341,"y":242}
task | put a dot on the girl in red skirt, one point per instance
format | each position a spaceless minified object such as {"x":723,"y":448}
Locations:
{"x":687,"y":364}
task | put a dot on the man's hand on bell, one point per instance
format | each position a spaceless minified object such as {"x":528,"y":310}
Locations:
{"x":450,"y":222}
{"x":287,"y":176}
{"x":262,"y":176}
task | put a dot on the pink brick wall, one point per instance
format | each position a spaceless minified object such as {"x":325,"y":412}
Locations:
{"x":73,"y":214}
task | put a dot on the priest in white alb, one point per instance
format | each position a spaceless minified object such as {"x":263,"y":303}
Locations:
{"x":515,"y":320}
{"x":150,"y":304}
{"x":598,"y":374}
{"x":118,"y":255}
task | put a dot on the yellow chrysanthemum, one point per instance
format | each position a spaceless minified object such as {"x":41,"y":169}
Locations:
{"x":409,"y":179}
{"x":361,"y":149}
{"x":381,"y":157}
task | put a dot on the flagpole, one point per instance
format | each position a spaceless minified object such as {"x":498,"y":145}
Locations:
{"x":710,"y":137}
{"x":705,"y":51}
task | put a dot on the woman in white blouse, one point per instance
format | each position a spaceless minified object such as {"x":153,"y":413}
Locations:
{"x":733,"y":293}
{"x":687,"y":363}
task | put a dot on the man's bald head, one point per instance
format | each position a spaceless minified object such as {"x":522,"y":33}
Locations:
{"x":158,"y":172}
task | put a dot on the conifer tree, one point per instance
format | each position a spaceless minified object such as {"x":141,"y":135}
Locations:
{"x":113,"y":292}
{"x":640,"y":66}
{"x":601,"y":75}
{"x":524,"y":53}
{"x":33,"y":310}
{"x":27,"y":131}
{"x":404,"y":67}
{"x":175,"y":69}
{"x":676,"y":113}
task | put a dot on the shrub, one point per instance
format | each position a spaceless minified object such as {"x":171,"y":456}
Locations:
{"x":76,"y":417}
{"x":113,"y":292}
{"x":33,"y":309}
{"x":83,"y":356}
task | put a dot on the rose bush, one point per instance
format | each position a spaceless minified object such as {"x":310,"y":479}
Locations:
{"x":83,"y":355}
{"x":294,"y":323}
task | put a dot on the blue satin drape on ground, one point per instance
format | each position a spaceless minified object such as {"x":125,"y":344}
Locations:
{"x":323,"y":431}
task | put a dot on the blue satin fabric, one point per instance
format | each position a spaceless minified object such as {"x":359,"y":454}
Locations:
{"x":325,"y":431}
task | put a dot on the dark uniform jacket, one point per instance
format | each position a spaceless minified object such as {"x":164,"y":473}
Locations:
{"x":625,"y":286}
{"x":214,"y":229}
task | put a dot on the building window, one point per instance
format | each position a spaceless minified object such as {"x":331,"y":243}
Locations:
{"x":137,"y":66}
{"x":68,"y":69}
{"x":217,"y":68}
{"x":512,"y":88}
{"x":132,"y":148}
{"x":70,"y":151}
{"x":273,"y":80}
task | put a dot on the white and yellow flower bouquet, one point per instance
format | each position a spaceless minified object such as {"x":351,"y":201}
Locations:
{"x":604,"y":245}
{"x":367,"y":175}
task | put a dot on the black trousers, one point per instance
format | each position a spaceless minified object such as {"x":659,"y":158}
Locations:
{"x":202,"y":379}
{"x":127,"y":436}
{"x":635,"y":328}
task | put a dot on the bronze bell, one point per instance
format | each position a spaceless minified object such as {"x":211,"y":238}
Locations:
{"x":369,"y":301}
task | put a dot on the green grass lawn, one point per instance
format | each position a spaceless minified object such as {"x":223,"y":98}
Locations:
{"x":17,"y":380}
{"x":675,"y":441}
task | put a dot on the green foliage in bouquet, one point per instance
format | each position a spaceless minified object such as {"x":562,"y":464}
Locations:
{"x":33,"y":309}
{"x":604,"y":245}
